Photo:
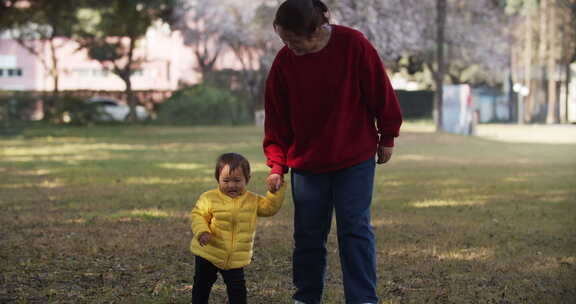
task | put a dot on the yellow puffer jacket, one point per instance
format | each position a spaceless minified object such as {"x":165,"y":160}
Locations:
{"x":232,"y":223}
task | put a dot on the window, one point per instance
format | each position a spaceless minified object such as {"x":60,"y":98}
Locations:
{"x":11,"y":72}
{"x":81,"y":72}
{"x":14,"y":72}
{"x":8,"y":61}
{"x":89,"y":72}
{"x":100,"y":72}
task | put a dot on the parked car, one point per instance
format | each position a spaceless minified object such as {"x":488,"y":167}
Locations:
{"x":113,"y":110}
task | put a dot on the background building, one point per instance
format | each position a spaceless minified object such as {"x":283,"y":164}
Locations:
{"x":167,"y":63}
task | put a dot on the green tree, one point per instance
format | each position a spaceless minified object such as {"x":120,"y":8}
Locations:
{"x":441,"y":11}
{"x":38,"y":25}
{"x":7,"y":14}
{"x":116,"y":27}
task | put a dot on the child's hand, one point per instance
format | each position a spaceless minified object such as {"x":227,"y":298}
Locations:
{"x":274,"y":181}
{"x":204,"y":238}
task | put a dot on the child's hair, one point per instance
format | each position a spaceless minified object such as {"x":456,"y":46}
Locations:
{"x":301,"y":17}
{"x":234,"y":161}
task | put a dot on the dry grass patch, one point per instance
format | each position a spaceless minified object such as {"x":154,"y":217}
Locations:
{"x":99,"y":215}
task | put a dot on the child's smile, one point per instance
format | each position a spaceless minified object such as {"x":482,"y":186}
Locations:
{"x":232,"y":183}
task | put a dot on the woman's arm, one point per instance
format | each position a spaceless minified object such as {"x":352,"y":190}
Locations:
{"x":277,"y":130}
{"x":379,"y":94}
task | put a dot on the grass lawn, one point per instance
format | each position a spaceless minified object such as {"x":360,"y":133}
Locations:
{"x":100,"y":215}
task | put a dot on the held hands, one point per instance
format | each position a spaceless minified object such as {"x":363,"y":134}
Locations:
{"x":384,"y":154}
{"x":204,"y":238}
{"x":274,"y":181}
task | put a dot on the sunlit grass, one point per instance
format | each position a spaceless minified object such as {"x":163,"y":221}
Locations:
{"x":37,"y":172}
{"x":48,"y":184}
{"x":14,"y":186}
{"x":182,"y":166}
{"x":141,"y":214}
{"x":67,"y":159}
{"x":468,"y":254}
{"x":102,"y":215}
{"x":68,"y":149}
{"x":516,"y":179}
{"x":259,"y":168}
{"x":445,"y":203}
{"x":152,"y":181}
{"x":414,"y":157}
{"x":378,"y":222}
{"x":76,"y":221}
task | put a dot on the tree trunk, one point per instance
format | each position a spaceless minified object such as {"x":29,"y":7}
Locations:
{"x":206,"y":63}
{"x":552,"y":101}
{"x":567,"y":24}
{"x":543,"y":54}
{"x":568,"y":92}
{"x":51,"y":104}
{"x":441,"y":8}
{"x":551,"y":105}
{"x":528,"y":101}
{"x":515,"y":98}
{"x":131,"y":100}
{"x":128,"y":80}
{"x":512,"y":106}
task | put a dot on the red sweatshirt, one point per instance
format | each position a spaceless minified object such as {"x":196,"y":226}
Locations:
{"x":327,"y":110}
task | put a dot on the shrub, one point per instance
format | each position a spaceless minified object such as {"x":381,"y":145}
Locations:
{"x":202,"y":105}
{"x":416,"y":104}
{"x":19,"y":105}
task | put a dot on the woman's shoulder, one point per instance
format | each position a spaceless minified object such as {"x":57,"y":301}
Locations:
{"x":351,"y":39}
{"x":282,"y":55}
{"x":347,"y":32}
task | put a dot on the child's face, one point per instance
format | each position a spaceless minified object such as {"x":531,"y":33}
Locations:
{"x":232,"y":183}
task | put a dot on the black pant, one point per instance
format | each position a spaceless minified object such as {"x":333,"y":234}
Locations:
{"x":205,"y":275}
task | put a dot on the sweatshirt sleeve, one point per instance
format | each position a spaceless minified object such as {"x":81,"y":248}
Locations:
{"x":277,"y":130}
{"x":201,"y":216}
{"x":379,"y":94}
{"x":270,"y":204}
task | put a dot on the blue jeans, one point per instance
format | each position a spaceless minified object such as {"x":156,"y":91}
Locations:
{"x":349,"y":193}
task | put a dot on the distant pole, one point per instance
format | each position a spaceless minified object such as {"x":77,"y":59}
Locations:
{"x":520,"y":109}
{"x":441,"y":8}
{"x":522,"y":92}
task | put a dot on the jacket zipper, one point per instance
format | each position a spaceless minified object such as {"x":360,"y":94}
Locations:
{"x":234,"y":224}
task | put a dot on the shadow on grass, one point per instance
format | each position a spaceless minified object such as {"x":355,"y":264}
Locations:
{"x":101,"y":216}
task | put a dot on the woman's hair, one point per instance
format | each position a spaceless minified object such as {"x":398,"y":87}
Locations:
{"x":234,"y":161}
{"x":301,"y":17}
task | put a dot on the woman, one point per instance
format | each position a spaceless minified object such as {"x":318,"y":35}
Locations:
{"x":329,"y":109}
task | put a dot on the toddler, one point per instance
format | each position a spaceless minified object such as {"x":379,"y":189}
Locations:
{"x":224,"y":224}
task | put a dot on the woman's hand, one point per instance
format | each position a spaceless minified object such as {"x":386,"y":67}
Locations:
{"x":204,"y":238}
{"x":384,"y":154}
{"x":274,"y":181}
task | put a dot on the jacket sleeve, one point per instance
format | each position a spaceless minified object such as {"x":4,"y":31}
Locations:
{"x":277,"y":130}
{"x":379,"y":95}
{"x":270,"y":204}
{"x":201,"y":216}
